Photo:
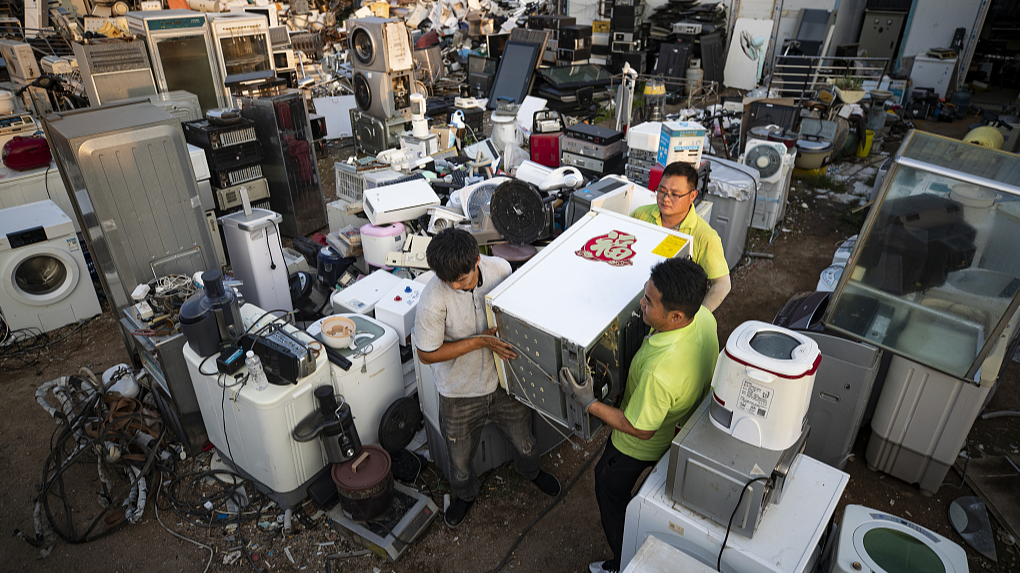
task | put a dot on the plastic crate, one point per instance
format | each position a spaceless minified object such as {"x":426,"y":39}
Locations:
{"x":351,"y":179}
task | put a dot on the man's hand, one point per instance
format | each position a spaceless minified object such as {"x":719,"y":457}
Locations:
{"x":503,"y":349}
{"x":583,"y":393}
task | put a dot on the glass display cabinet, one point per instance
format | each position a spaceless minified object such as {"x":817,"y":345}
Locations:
{"x":935,"y":275}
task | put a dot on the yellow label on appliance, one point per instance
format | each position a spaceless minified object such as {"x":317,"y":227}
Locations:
{"x":669,"y":246}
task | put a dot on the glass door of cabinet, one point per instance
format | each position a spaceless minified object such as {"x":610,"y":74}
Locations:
{"x":187,"y":65}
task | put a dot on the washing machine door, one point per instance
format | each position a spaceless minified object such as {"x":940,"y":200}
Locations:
{"x":891,"y":547}
{"x":41,"y":275}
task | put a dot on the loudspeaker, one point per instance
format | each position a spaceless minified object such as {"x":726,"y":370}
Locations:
{"x":383,"y":95}
{"x":379,"y":45}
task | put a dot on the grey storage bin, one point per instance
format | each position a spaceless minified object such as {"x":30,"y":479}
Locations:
{"x":842,"y":388}
{"x":731,"y":190}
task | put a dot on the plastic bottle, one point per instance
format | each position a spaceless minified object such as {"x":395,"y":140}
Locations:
{"x":256,"y":375}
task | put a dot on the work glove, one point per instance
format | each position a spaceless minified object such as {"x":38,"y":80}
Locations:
{"x":583,"y":393}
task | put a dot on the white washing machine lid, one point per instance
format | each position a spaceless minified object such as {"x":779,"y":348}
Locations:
{"x":889,"y":544}
{"x":20,"y":218}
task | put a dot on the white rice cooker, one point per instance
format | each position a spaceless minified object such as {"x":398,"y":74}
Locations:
{"x":762,"y":385}
{"x":872,"y":541}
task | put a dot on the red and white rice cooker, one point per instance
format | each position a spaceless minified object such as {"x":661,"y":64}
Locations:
{"x":762,"y":385}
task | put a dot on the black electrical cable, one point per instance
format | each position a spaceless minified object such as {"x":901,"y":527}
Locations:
{"x":743,"y":490}
{"x":269,"y":247}
{"x":558,"y":499}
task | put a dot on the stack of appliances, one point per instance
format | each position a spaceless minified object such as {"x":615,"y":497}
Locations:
{"x":243,"y":50}
{"x":233,"y":157}
{"x":182,"y":52}
{"x":555,"y":24}
{"x":601,"y":38}
{"x":596,"y":151}
{"x":573,"y":46}
{"x":290,"y":166}
{"x":383,"y":80}
{"x":114,"y":69}
{"x":735,"y":488}
{"x":627,"y":42}
{"x":144,"y":217}
{"x":588,"y":331}
{"x":643,"y":150}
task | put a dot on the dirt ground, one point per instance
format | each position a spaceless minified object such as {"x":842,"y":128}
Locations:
{"x":566,"y":539}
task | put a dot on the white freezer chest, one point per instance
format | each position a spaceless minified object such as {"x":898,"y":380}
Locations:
{"x":574,"y":305}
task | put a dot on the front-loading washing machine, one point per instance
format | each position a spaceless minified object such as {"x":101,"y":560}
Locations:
{"x":872,"y":541}
{"x":44,"y":281}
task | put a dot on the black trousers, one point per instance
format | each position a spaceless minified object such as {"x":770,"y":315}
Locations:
{"x":615,"y":476}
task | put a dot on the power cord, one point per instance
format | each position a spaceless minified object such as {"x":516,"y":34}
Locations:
{"x":743,"y":490}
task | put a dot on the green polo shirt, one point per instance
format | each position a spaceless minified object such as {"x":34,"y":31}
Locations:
{"x":707,"y":249}
{"x":669,"y":376}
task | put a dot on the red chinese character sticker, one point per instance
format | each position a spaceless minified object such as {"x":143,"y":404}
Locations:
{"x":614,"y":248}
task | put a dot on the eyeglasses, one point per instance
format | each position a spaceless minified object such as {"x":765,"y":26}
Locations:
{"x":673,"y":196}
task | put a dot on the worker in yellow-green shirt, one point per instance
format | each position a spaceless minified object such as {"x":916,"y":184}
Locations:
{"x":673,"y":208}
{"x":668,"y":377}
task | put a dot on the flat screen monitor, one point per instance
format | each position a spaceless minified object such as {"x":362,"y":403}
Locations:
{"x":516,"y":70}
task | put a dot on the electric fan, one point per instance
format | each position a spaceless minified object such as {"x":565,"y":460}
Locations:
{"x":519,"y":213}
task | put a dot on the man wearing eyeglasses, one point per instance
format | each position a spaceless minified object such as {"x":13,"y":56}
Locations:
{"x":674,"y":200}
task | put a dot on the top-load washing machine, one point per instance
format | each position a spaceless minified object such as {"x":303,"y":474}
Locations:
{"x":44,"y":281}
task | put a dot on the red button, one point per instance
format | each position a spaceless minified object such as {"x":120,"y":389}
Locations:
{"x":396,"y":297}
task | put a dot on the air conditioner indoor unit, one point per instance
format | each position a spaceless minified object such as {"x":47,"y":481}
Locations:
{"x":775,"y":165}
{"x":767,"y":157}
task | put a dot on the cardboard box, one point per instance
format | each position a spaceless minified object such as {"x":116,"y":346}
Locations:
{"x":681,"y":141}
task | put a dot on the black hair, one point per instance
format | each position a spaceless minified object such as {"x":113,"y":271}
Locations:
{"x":681,"y":169}
{"x":682,"y":283}
{"x":452,"y":254}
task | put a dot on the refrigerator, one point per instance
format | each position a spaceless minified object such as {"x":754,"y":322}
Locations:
{"x":576,"y":304}
{"x":289,"y":162}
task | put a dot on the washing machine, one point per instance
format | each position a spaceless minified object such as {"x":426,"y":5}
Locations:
{"x":872,"y":541}
{"x":375,"y":379}
{"x":45,"y":282}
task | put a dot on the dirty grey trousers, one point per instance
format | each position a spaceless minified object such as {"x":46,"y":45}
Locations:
{"x":462,"y":420}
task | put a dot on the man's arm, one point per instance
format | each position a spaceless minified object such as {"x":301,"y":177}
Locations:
{"x":717,"y":291}
{"x":615,"y":419}
{"x":457,"y":348}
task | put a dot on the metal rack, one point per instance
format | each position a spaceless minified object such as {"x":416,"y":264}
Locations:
{"x":798,"y":77}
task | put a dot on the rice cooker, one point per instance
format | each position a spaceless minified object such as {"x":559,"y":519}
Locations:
{"x":762,"y":385}
{"x":812,"y":153}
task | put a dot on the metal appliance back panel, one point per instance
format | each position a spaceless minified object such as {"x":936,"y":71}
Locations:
{"x":130,"y":177}
{"x":559,"y":323}
{"x":294,"y":186}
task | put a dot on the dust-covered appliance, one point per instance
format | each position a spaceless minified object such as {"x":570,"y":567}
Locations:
{"x":114,"y":69}
{"x":384,"y":95}
{"x":399,"y":202}
{"x":762,"y":385}
{"x":20,"y":187}
{"x":378,"y":240}
{"x":143,"y":218}
{"x":256,"y":257}
{"x":253,"y":433}
{"x":375,"y":380}
{"x":373,"y":135}
{"x":789,"y":540}
{"x":182,"y":52}
{"x":474,"y":200}
{"x":610,"y":193}
{"x":590,"y":331}
{"x":398,"y":307}
{"x":20,"y":59}
{"x":379,"y":45}
{"x":362,"y":296}
{"x":775,"y":168}
{"x":44,"y":280}
{"x":243,"y":49}
{"x":877,"y":542}
{"x":289,"y":165}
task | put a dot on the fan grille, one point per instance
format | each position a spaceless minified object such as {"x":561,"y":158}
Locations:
{"x":766,"y":159}
{"x":518,"y":212}
{"x":479,"y":197}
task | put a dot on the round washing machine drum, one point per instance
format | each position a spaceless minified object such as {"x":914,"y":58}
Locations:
{"x":762,"y":385}
{"x":42,"y":275}
{"x":877,"y":542}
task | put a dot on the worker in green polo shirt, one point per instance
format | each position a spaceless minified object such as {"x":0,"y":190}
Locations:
{"x":669,"y":376}
{"x":674,"y":199}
